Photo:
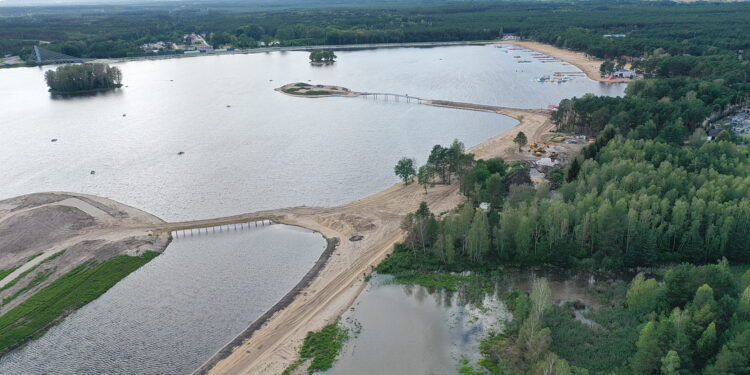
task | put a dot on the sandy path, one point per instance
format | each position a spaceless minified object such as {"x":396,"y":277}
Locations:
{"x":376,"y":217}
{"x":588,"y":65}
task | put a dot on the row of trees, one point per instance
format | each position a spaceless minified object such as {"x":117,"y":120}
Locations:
{"x":637,"y":203}
{"x":443,"y":165}
{"x":83,"y":78}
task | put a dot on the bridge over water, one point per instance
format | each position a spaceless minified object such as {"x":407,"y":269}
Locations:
{"x":45,"y":56}
{"x":395,"y":97}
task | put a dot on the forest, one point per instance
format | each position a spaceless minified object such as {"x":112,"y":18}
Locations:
{"x":119,"y":30}
{"x":81,"y":78}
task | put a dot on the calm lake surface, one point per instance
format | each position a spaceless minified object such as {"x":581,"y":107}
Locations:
{"x":267,"y":150}
{"x":172,"y":314}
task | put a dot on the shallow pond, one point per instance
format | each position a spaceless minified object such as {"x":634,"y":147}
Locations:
{"x":410,"y":329}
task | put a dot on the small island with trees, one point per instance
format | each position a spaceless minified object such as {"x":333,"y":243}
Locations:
{"x":83,"y":78}
{"x":322,"y":57}
{"x":315,"y":91}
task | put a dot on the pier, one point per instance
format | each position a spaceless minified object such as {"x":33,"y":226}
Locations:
{"x":394,"y":97}
{"x":190,"y":231}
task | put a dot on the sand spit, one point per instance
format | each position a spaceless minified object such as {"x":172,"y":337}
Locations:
{"x":85,"y":226}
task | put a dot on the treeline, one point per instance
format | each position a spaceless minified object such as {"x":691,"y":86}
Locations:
{"x":108,"y":31}
{"x":83,"y":78}
{"x":667,"y":109}
{"x":637,"y":203}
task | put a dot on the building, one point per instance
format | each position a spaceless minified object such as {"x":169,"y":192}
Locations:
{"x":713,"y":133}
{"x":624,"y":73}
{"x":154,"y":47}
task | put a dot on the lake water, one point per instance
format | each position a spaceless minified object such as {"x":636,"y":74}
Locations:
{"x":172,"y":314}
{"x":267,"y":150}
{"x":246,"y":148}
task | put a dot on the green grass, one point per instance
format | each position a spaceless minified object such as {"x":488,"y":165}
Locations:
{"x":316,"y":92}
{"x":602,"y":350}
{"x":322,"y":348}
{"x":33,"y":257}
{"x":71,"y":291}
{"x":38,"y":279}
{"x":30,"y":270}
{"x":7,"y":272}
{"x":447,"y":281}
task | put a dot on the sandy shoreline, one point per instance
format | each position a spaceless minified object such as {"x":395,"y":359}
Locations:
{"x":377,"y":217}
{"x":580,"y":60}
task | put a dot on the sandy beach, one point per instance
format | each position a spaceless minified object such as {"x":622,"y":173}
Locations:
{"x":587,"y":64}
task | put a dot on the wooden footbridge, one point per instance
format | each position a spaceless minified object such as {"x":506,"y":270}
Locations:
{"x":393,"y":97}
{"x":220,"y":224}
{"x":510,"y":112}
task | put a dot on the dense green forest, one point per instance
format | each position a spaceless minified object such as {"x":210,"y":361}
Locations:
{"x":83,"y":78}
{"x":637,"y":203}
{"x":117,"y":31}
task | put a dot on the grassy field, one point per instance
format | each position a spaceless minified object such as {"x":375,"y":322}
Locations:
{"x":71,"y":291}
{"x":25,"y":273}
